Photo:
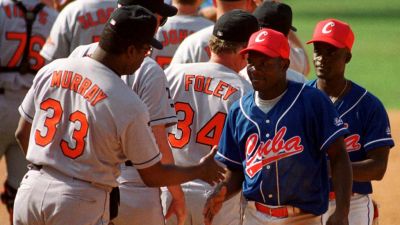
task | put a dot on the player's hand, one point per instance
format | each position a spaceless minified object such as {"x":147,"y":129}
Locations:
{"x":177,"y":205}
{"x":211,"y":171}
{"x":214,"y":204}
{"x":338,"y":219}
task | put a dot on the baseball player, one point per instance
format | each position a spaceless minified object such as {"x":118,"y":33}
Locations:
{"x":195,"y":47}
{"x":80,"y":22}
{"x":278,"y":16}
{"x":274,"y":144}
{"x":84,"y":122}
{"x":177,"y":28}
{"x":19,"y":62}
{"x":369,"y":140}
{"x":203,"y":93}
{"x":147,"y":81}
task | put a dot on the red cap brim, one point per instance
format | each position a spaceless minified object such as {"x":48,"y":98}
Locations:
{"x":327,"y":40}
{"x":261,"y":50}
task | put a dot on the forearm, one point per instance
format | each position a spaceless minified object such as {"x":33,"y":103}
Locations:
{"x":168,"y":175}
{"x":342,"y":183}
{"x":22,"y":134}
{"x":233,"y":182}
{"x":367,"y":170}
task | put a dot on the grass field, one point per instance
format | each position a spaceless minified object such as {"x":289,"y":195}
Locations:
{"x":376,"y":52}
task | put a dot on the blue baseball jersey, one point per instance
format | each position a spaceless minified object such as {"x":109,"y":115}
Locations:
{"x":367,"y":121}
{"x":283,"y":153}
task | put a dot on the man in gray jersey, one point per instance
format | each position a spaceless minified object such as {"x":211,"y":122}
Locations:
{"x":177,"y":28}
{"x":85,"y":122}
{"x":203,"y":94}
{"x":19,"y":62}
{"x":141,"y":204}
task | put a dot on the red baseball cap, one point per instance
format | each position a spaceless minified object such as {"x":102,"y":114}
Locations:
{"x":268,"y":42}
{"x":334,"y":32}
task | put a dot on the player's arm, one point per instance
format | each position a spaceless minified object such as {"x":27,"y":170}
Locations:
{"x":22,"y":134}
{"x":159,"y":175}
{"x":231,"y":185}
{"x":342,"y":180}
{"x":294,"y":39}
{"x":372,"y":168}
{"x":177,"y":205}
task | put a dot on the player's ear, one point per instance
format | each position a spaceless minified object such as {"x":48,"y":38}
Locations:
{"x":348,"y":56}
{"x":285,"y":64}
{"x":131,"y":51}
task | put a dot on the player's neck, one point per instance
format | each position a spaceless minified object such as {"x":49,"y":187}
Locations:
{"x":275,"y":92}
{"x":108,"y":60}
{"x":228,"y":60}
{"x":333,"y":87}
{"x":189,"y":10}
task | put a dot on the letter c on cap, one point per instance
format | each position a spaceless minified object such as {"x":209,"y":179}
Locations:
{"x":328,"y":28}
{"x":261,"y":36}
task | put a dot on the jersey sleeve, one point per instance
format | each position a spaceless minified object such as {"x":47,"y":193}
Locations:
{"x":155,"y":93}
{"x":228,"y":148}
{"x":376,"y":127}
{"x":138,"y":142}
{"x":328,"y":125}
{"x":58,"y":43}
{"x":27,"y":107}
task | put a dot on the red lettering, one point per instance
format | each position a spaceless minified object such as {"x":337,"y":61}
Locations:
{"x":188,"y":81}
{"x":199,"y":83}
{"x":56,"y":79}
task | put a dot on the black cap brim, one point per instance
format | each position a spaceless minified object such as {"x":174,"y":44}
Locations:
{"x":167,"y":10}
{"x":293,"y":28}
{"x":156,"y":44}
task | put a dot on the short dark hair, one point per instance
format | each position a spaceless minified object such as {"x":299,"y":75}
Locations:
{"x":114,"y":44}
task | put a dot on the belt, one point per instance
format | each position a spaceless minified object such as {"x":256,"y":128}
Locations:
{"x":50,"y":171}
{"x":332,"y":195}
{"x":280,"y":212}
{"x":128,"y":163}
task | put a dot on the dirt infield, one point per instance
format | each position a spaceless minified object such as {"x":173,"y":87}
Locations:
{"x":386,"y":192}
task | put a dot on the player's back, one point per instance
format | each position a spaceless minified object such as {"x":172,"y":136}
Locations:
{"x":79,"y":23}
{"x":194,"y":48}
{"x":203,"y":93}
{"x":84,"y":120}
{"x":13,"y":40}
{"x":175,"y":30}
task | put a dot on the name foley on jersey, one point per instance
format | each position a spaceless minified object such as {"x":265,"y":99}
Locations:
{"x":75,"y":82}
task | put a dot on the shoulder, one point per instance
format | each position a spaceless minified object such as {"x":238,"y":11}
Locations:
{"x":295,"y":76}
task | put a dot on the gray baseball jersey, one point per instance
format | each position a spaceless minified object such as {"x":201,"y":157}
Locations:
{"x":86,"y":121}
{"x":13,"y":40}
{"x":195,"y":49}
{"x":79,"y":23}
{"x":175,"y":30}
{"x":203,"y":93}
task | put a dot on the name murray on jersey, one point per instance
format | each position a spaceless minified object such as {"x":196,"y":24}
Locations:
{"x":75,"y":82}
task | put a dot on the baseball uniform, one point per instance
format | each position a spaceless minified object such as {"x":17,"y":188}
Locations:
{"x":203,"y":93}
{"x":175,"y":30}
{"x":85,"y":123}
{"x":79,"y":23}
{"x":13,"y":84}
{"x":269,"y":147}
{"x":140,"y":204}
{"x":366,"y":119}
{"x":195,"y":49}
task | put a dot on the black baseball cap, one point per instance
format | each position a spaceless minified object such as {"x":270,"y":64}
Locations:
{"x":275,"y":15}
{"x":236,"y":25}
{"x":156,"y":6}
{"x":134,"y":23}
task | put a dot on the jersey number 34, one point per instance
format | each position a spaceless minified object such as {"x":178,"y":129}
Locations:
{"x":51,"y":123}
{"x":209,"y":134}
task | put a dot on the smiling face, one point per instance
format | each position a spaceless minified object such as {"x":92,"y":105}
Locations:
{"x":330,"y":61}
{"x":265,"y":72}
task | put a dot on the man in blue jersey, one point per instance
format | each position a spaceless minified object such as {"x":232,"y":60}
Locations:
{"x":275,"y":142}
{"x":369,"y":140}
